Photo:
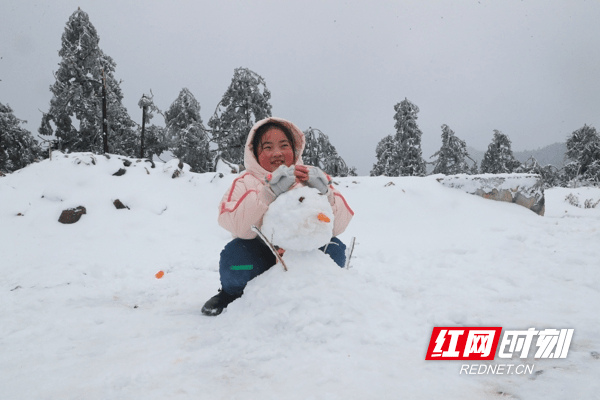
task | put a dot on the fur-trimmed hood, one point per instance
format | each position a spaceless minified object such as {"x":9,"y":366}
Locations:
{"x":251,"y":163}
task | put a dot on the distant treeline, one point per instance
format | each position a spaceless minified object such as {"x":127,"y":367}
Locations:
{"x":86,"y":114}
{"x":400,"y":154}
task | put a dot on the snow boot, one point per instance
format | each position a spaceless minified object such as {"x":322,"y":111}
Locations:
{"x":217,"y":303}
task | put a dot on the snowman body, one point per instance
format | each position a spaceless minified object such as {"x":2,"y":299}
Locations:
{"x":300,"y":221}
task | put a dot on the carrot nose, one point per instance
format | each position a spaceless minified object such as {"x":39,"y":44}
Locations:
{"x":323,"y":217}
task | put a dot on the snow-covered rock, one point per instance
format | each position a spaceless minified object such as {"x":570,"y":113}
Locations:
{"x":71,"y":215}
{"x":176,"y":168}
{"x":81,"y":158}
{"x":523,"y":189}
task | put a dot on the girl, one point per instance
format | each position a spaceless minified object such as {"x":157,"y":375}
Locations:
{"x":273,"y":161}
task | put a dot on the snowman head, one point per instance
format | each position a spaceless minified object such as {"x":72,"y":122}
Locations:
{"x":299,"y":219}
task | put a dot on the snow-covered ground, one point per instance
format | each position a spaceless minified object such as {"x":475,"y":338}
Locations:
{"x":84,"y":317}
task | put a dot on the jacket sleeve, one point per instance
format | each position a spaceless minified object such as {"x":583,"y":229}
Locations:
{"x":244,"y":205}
{"x":341,"y":211}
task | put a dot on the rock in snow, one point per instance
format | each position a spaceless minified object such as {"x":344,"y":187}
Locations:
{"x":71,"y":215}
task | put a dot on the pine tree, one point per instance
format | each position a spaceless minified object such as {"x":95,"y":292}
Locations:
{"x":17,"y":147}
{"x":451,"y":156}
{"x":319,"y":152}
{"x":245,"y":102}
{"x":473,"y":170}
{"x":408,"y":136}
{"x":549,"y":174}
{"x":186,"y":133}
{"x":388,"y":158}
{"x":84,"y":77}
{"x":583,"y":151}
{"x":499,"y":158}
{"x":152,"y":138}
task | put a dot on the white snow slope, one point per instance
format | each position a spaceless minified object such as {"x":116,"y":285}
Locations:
{"x":84,"y":317}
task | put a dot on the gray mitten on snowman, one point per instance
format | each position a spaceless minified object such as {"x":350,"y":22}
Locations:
{"x":281,"y":179}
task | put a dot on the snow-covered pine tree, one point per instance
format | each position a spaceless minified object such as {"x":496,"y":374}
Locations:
{"x":152,"y":137}
{"x":583,"y":151}
{"x":78,"y":94}
{"x":17,"y":147}
{"x":451,"y":157}
{"x":319,"y":152}
{"x":245,"y":101}
{"x":549,"y":173}
{"x":473,"y":170}
{"x":387,"y":153}
{"x":186,"y":133}
{"x":408,"y":137}
{"x":499,"y":158}
{"x":582,"y":145}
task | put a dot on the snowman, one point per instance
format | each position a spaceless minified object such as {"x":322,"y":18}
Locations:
{"x":300,"y":221}
{"x":314,"y":288}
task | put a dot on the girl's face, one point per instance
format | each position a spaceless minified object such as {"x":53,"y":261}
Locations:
{"x":274,"y":150}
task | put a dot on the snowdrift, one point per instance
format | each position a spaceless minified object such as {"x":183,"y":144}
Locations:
{"x":85,"y":317}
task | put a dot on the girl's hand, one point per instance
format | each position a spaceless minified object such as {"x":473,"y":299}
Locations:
{"x":280,"y":251}
{"x":281,"y":180}
{"x":301,"y":173}
{"x":319,"y":180}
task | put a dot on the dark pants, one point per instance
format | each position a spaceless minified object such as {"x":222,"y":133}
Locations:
{"x":243,"y":260}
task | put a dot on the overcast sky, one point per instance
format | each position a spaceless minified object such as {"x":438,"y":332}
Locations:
{"x":530,"y":69}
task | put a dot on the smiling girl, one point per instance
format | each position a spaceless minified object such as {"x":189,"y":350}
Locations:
{"x":273,"y":161}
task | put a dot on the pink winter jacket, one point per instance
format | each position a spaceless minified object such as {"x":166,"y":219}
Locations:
{"x":248,"y":199}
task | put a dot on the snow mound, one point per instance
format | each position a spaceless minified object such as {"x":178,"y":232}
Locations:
{"x":225,"y":167}
{"x":176,"y":167}
{"x":309,"y":292}
{"x":84,"y":315}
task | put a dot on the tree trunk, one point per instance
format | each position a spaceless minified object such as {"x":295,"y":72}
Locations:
{"x":104,"y":124}
{"x":143,"y":128}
